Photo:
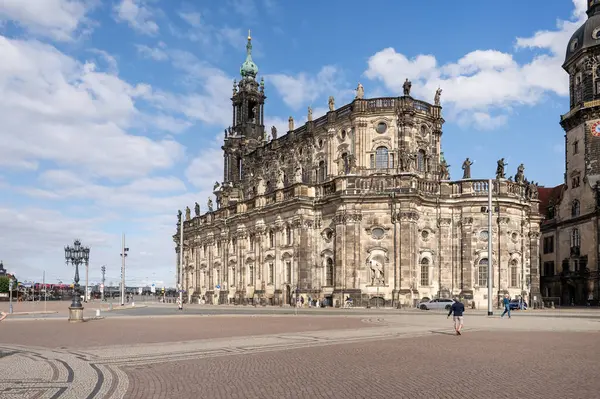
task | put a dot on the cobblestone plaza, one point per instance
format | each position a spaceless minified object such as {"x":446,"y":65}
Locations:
{"x":315,"y":354}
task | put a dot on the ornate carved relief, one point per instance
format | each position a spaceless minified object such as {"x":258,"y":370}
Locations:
{"x":347,"y":218}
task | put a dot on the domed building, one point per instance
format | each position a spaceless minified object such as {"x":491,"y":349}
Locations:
{"x":571,"y":228}
{"x":357,"y":203}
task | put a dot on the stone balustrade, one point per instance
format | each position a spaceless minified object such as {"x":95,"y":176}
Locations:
{"x":371,"y":185}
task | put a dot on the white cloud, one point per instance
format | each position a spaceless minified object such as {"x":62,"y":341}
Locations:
{"x":57,"y":19}
{"x":302,"y":89}
{"x":156,"y":53}
{"x":73,"y":115}
{"x":137,"y":15}
{"x":192,"y":18}
{"x":483,"y":80}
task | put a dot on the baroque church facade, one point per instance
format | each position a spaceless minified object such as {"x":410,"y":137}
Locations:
{"x":570,"y":241}
{"x":357,"y":203}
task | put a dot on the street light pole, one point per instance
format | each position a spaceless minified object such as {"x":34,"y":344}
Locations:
{"x":490,"y":248}
{"x":10,"y":290}
{"x":123,"y":255}
{"x":181,"y":261}
{"x":87,"y":281}
{"x":103,"y":269}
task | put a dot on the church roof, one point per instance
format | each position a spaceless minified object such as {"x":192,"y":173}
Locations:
{"x":549,"y":196}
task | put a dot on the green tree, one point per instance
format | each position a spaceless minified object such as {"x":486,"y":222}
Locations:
{"x":4,"y":284}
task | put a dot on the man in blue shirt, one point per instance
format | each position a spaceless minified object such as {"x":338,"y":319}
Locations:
{"x":506,"y":303}
{"x":457,"y":309}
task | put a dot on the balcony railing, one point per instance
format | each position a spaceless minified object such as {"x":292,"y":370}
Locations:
{"x":398,"y":185}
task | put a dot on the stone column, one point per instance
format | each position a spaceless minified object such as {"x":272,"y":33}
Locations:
{"x":445,"y":254}
{"x":535,"y":296}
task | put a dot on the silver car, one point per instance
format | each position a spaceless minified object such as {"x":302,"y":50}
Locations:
{"x":445,"y":304}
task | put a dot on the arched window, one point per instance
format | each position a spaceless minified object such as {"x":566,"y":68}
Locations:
{"x":421,"y":167}
{"x":268,"y":188}
{"x":329,"y":272}
{"x":271,"y":239}
{"x":321,"y":172}
{"x":514,"y":273}
{"x":288,"y":235}
{"x":482,"y":272}
{"x":381,"y":158}
{"x":425,"y":272}
{"x":575,"y":208}
{"x":575,"y":239}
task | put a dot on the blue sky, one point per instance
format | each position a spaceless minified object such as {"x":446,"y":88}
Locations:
{"x":113,"y":110}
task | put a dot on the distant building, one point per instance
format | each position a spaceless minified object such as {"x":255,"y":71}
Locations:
{"x":2,"y":269}
{"x":356,"y":203}
{"x":570,"y":240}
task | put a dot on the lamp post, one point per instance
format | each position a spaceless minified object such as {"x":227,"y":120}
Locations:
{"x":103,"y":269}
{"x":76,"y":255}
{"x":10,"y":290}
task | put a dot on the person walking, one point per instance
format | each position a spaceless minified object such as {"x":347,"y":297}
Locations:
{"x":457,"y":309}
{"x":506,"y":303}
{"x":2,"y":316}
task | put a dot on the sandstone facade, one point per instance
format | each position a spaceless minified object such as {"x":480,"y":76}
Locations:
{"x":354,"y":203}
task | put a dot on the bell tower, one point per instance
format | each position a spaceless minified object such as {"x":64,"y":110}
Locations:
{"x":247,"y":131}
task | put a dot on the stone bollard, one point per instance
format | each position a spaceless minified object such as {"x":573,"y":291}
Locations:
{"x":132,"y":304}
{"x":97,"y":312}
{"x":552,"y":305}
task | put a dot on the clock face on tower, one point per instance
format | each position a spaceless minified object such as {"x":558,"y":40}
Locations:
{"x":595,"y":129}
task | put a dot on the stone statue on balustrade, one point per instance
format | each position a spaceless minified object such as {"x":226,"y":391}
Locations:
{"x":520,"y":176}
{"x":377,"y":276}
{"x":209,"y":204}
{"x":216,"y":186}
{"x":466,"y":167}
{"x":360,"y":92}
{"x":436,"y":98}
{"x":500,"y":169}
{"x":531,"y":191}
{"x":290,"y":124}
{"x":331,"y":103}
{"x":179,"y":213}
{"x":273,"y":133}
{"x":197,"y":209}
{"x":406,"y":87}
{"x":444,"y":170}
{"x":309,"y":116}
{"x":188,"y":213}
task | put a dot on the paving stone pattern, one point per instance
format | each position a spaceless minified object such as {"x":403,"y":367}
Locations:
{"x":299,"y":357}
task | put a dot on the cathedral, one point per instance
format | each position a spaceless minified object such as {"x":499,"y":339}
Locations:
{"x":357,"y":203}
{"x":571,"y":228}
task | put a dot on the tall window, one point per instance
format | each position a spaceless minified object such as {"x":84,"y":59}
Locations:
{"x":321,"y":172}
{"x":549,"y":244}
{"x":233,"y":276}
{"x":329,"y":272}
{"x":288,"y":235}
{"x":421,"y":161}
{"x":514,"y":273}
{"x":381,"y":158}
{"x":575,"y":147}
{"x":251,"y":239}
{"x":251,"y":274}
{"x":575,"y":208}
{"x":288,"y":271}
{"x":271,"y":275}
{"x":424,"y":272}
{"x":482,"y":272}
{"x":271,"y":239}
{"x":217,"y":277}
{"x":575,"y":239}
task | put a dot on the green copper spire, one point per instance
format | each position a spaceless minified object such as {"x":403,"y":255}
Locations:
{"x":249,"y":70}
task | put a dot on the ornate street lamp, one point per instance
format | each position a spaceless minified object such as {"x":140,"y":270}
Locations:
{"x":76,"y":255}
